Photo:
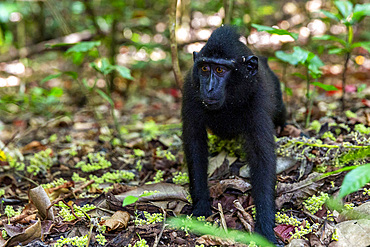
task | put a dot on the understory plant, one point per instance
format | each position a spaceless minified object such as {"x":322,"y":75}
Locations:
{"x":350,"y":15}
{"x":302,"y":57}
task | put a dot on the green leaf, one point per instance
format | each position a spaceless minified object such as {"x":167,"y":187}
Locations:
{"x":336,"y":51}
{"x":201,"y":228}
{"x":72,"y":74}
{"x":129,"y":200}
{"x":344,"y":7}
{"x":298,"y":56}
{"x":355,"y":180}
{"x":56,"y":92}
{"x":364,"y":44}
{"x":271,"y":30}
{"x":49,"y":77}
{"x":83,"y":46}
{"x":314,"y":64}
{"x":360,"y":12}
{"x":330,"y":15}
{"x":288,"y":91}
{"x":124,"y":72}
{"x":105,"y":96}
{"x":303,"y":77}
{"x":332,"y":38}
{"x":106,"y":67}
{"x":261,"y":28}
{"x":315,"y":60}
{"x":324,"y":86}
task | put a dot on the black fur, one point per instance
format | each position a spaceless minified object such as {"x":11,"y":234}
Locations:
{"x":249,"y":104}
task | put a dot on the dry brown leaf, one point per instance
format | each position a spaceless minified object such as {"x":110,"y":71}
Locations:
{"x":234,"y":183}
{"x":211,"y":240}
{"x":119,"y":220}
{"x":26,"y":236}
{"x":41,"y":200}
{"x":166,"y":191}
{"x":297,"y":192}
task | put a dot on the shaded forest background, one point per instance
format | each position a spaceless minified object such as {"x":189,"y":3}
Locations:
{"x":90,"y":122}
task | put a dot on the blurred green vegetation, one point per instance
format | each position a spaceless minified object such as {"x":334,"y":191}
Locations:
{"x":134,"y":35}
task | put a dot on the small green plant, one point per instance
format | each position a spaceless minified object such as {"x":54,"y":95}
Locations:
{"x":2,"y":192}
{"x":300,"y":229}
{"x":53,"y":138}
{"x":66,"y":214}
{"x":4,"y":234}
{"x":40,"y":162}
{"x":138,"y":165}
{"x":75,"y":241}
{"x":281,"y":218}
{"x":350,"y":16}
{"x":165,"y":154}
{"x":180,"y":178}
{"x":68,"y":138}
{"x":138,"y":153}
{"x":349,"y":206}
{"x":233,"y":147}
{"x":113,"y":177}
{"x":351,"y":114}
{"x":158,"y":177}
{"x":335,"y":235}
{"x":132,"y":199}
{"x":54,"y":184}
{"x":366,"y":192}
{"x":18,"y":166}
{"x":140,"y":243}
{"x":100,"y":238}
{"x":9,"y":211}
{"x":149,"y":218}
{"x":96,"y":162}
{"x":150,"y":130}
{"x":315,"y":125}
{"x":329,"y":135}
{"x":362,"y":129}
{"x":314,"y":203}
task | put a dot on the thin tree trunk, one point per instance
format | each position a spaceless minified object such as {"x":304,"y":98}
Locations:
{"x":344,"y":79}
{"x":174,"y":56}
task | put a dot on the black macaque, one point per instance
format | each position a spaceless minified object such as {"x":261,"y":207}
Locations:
{"x":233,"y":93}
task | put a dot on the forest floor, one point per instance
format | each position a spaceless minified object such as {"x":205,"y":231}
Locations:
{"x":111,"y":192}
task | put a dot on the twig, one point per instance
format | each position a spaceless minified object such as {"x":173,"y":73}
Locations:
{"x":71,"y":208}
{"x":222,"y":217}
{"x":174,"y":56}
{"x":56,"y":201}
{"x":161,"y":233}
{"x":26,"y":178}
{"x":244,"y":217}
{"x":90,"y":232}
{"x":18,"y":217}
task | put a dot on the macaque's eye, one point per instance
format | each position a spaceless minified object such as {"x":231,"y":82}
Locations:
{"x":205,"y":68}
{"x":219,"y":70}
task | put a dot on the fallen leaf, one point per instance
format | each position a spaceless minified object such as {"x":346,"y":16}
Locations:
{"x":297,"y":192}
{"x":26,"y":236}
{"x":353,"y":231}
{"x":284,"y":232}
{"x":119,"y":220}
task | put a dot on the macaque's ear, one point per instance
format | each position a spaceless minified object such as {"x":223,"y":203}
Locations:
{"x":252,"y":64}
{"x":195,"y":54}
